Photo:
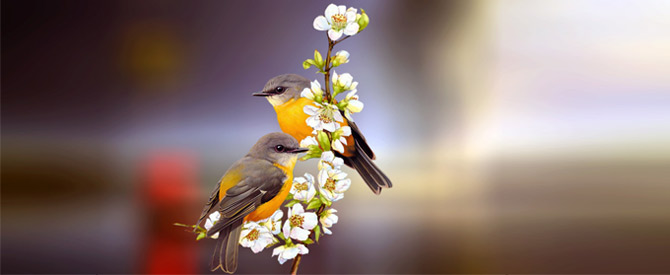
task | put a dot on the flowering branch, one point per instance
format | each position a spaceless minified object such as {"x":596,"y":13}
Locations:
{"x":300,"y":226}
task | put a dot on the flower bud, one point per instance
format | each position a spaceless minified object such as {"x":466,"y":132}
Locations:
{"x":341,"y":57}
{"x":362,"y":21}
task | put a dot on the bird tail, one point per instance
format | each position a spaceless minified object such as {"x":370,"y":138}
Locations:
{"x":371,"y":174}
{"x":226,"y":250}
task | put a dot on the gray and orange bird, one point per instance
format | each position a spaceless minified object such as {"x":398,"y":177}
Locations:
{"x":252,"y":189}
{"x":283,"y":92}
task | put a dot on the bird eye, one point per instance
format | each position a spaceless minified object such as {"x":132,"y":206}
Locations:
{"x":279,"y":89}
{"x":279,"y":148}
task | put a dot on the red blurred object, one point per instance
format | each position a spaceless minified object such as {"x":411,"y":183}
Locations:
{"x":169,"y":192}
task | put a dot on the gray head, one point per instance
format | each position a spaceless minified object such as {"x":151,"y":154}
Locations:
{"x":283,"y":88}
{"x":277,"y":148}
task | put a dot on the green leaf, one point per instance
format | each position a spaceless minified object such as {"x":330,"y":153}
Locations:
{"x":325,"y":201}
{"x":308,"y":63}
{"x":292,"y":203}
{"x":323,"y":139}
{"x":201,"y":236}
{"x":289,"y":197}
{"x":318,"y":59}
{"x":314,"y":204}
{"x":317,"y":232}
{"x":308,"y":241}
{"x":281,"y":236}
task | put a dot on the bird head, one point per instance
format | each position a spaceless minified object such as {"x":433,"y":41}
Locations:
{"x":278,"y":148}
{"x":283,"y":88}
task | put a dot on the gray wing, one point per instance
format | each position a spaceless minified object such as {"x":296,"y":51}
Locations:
{"x":213,"y":200}
{"x":262,"y":183}
{"x":360,"y":139}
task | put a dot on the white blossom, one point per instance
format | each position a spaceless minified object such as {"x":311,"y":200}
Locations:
{"x":314,"y":92}
{"x":338,"y":20}
{"x":211,"y":220}
{"x":341,"y":57}
{"x":344,"y":82}
{"x":273,"y":223}
{"x":338,"y":143}
{"x":329,"y":161}
{"x":255,"y":236}
{"x":303,"y":188}
{"x":309,"y":141}
{"x":287,"y":252}
{"x":324,"y":116}
{"x":333,"y":183}
{"x":328,"y":218}
{"x":299,"y":223}
{"x":352,"y":105}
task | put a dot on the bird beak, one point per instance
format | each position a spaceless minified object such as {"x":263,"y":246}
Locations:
{"x":298,"y":150}
{"x":261,"y":94}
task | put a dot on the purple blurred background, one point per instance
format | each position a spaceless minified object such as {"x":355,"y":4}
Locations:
{"x":521,"y":136}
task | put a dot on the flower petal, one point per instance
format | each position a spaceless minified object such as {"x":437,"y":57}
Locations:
{"x":327,"y":231}
{"x":351,"y":28}
{"x":290,"y":253}
{"x":311,"y":110}
{"x":331,"y":127}
{"x":330,"y":11}
{"x":343,"y":53}
{"x":299,"y":234}
{"x":310,"y":220}
{"x":355,"y":106}
{"x":321,"y":23}
{"x":337,"y":146}
{"x":310,"y":140}
{"x":287,"y":228}
{"x":302,"y":249}
{"x":351,"y":15}
{"x":314,"y":122}
{"x":297,"y":209}
{"x":341,"y":9}
{"x":337,"y":116}
{"x":334,"y":35}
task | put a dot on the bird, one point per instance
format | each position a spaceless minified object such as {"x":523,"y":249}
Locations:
{"x":252,"y":189}
{"x":283,"y":93}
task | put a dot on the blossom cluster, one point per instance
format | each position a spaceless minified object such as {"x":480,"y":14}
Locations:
{"x":309,"y":205}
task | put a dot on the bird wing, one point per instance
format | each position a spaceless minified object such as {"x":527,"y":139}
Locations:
{"x":360,"y":139}
{"x":261,"y":182}
{"x":213,"y":200}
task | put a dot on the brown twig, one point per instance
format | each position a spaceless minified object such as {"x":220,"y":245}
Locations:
{"x":329,"y":99}
{"x":296,"y":260}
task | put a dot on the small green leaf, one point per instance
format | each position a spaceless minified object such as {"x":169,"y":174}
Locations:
{"x":314,"y":204}
{"x":323,"y":139}
{"x":289,"y":197}
{"x":292,"y":203}
{"x":318,"y":59}
{"x":201,"y":236}
{"x":281,"y":236}
{"x":342,"y":104}
{"x":325,"y":201}
{"x":308,"y":63}
{"x":308,"y":241}
{"x":317,"y":232}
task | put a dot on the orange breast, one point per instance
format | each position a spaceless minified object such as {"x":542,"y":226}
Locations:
{"x":267,"y":209}
{"x":292,"y":117}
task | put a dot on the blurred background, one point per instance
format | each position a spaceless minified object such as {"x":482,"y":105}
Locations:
{"x":521,"y":136}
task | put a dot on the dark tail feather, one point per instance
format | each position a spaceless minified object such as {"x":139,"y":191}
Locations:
{"x":371,"y":174}
{"x":226,"y":250}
